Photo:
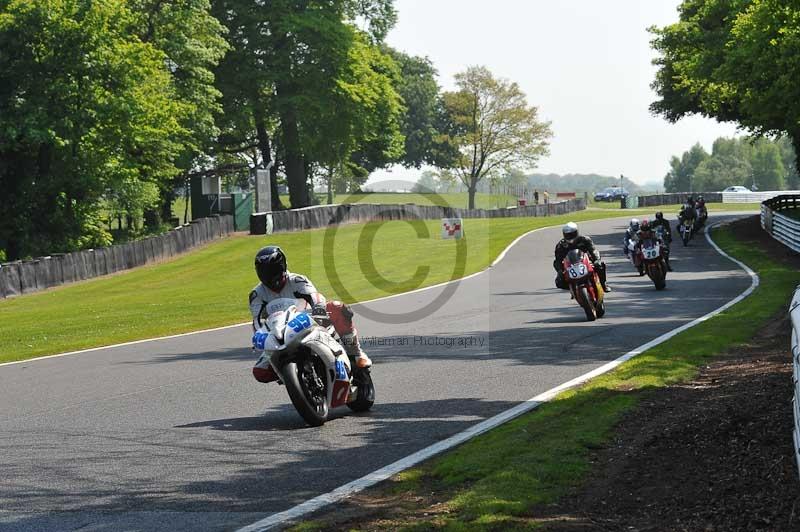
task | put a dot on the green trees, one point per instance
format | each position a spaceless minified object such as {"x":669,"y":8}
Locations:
{"x":733,"y":60}
{"x":491,"y":128}
{"x":110,"y":108}
{"x":682,"y":169}
{"x":318,"y":92}
{"x":745,"y":161}
{"x":85,"y":108}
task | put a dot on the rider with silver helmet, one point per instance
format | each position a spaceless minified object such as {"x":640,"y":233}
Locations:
{"x":278,"y":282}
{"x":573,"y":240}
{"x":630,"y":234}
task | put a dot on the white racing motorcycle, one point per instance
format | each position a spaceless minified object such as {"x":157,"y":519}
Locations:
{"x":312,"y":364}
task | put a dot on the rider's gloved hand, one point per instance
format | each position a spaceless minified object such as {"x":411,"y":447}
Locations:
{"x":319,"y":311}
{"x":259,"y":339}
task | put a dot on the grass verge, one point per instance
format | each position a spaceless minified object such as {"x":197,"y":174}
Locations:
{"x":494,"y":481}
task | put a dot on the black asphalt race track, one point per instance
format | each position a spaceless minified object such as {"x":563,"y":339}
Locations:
{"x":175,"y":434}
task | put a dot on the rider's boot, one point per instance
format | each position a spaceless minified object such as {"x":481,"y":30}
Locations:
{"x":342,"y":319}
{"x":603,"y":283}
{"x":353,"y":349}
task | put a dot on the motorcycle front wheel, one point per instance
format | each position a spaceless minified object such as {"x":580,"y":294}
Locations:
{"x":307,"y":384}
{"x":587,"y":304}
{"x":685,"y":236}
{"x":658,"y":274}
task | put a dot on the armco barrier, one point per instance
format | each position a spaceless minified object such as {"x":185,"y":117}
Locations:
{"x":23,"y":277}
{"x":783,"y":228}
{"x":326,"y":215}
{"x":754,"y":197}
{"x":679,"y":198}
{"x":794,"y":313}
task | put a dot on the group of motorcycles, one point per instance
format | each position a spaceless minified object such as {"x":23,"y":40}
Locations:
{"x":310,"y":362}
{"x":647,"y":255}
{"x":691,"y":219}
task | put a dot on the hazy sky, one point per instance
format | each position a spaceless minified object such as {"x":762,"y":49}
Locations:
{"x":584,"y":63}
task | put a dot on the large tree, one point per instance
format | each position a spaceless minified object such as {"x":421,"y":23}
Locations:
{"x":492,"y":128}
{"x":679,"y":178}
{"x":193,"y":43}
{"x":357,"y":126}
{"x":85,"y":107}
{"x":733,"y":60}
{"x":287,"y":61}
{"x":422,"y":119}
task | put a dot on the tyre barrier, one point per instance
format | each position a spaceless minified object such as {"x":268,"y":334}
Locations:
{"x":321,"y":216}
{"x":24,"y":277}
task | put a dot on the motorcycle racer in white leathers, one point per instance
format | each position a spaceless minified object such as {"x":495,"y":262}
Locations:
{"x":277,"y":282}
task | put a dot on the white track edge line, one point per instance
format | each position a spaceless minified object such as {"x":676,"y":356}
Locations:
{"x":342,"y":492}
{"x":201,"y":331}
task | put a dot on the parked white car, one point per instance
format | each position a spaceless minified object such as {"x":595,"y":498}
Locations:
{"x":737,"y":189}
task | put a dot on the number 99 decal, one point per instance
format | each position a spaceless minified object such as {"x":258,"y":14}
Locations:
{"x":300,"y":322}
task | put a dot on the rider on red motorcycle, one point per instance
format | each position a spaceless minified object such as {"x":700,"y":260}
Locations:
{"x":572,"y":240}
{"x":648,"y":231}
{"x":277,"y":282}
{"x":660,"y":221}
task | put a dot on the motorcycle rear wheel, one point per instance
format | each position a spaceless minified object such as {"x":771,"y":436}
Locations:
{"x":365,"y":397}
{"x":312,"y":406}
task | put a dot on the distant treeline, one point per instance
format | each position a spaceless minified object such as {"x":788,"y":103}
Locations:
{"x":757,"y":163}
{"x":514,"y":180}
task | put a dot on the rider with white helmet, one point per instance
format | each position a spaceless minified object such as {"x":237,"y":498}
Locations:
{"x":630,"y":234}
{"x":573,"y":240}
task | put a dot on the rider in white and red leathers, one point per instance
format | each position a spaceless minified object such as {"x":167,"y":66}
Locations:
{"x":277,"y":282}
{"x":647,"y":231}
{"x":630,"y":234}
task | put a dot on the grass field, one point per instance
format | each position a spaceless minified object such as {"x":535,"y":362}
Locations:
{"x":209,"y":287}
{"x":491,"y":482}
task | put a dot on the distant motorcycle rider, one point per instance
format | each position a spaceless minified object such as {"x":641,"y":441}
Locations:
{"x":630,"y":234}
{"x":572,"y":240}
{"x":277,"y":282}
{"x":661,"y":222}
{"x":702,"y":211}
{"x":647,"y":230}
{"x":687,"y":212}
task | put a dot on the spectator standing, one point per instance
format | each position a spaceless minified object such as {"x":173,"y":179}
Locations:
{"x":535,"y":197}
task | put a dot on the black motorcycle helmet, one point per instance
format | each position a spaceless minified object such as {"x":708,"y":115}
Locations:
{"x":271,"y":267}
{"x":659,"y":215}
